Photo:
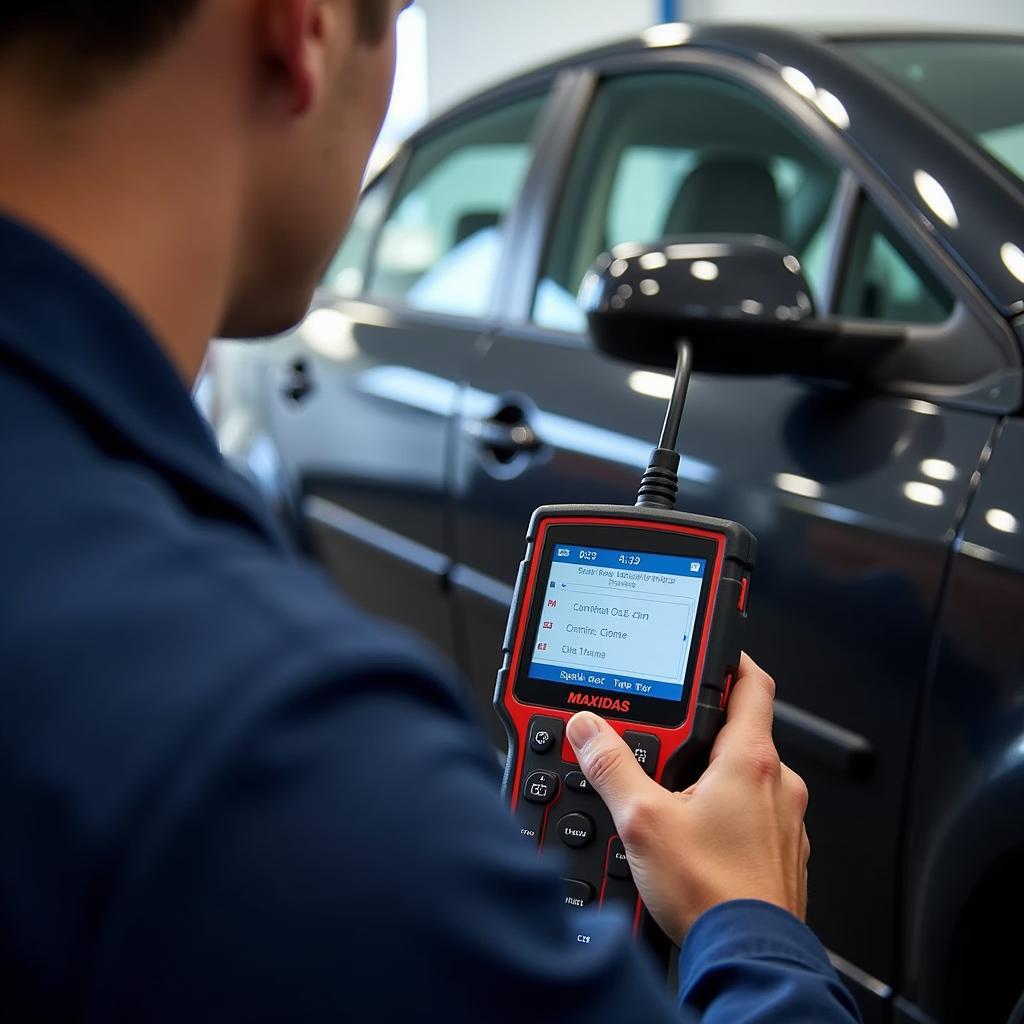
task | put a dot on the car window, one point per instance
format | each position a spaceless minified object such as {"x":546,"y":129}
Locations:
{"x":885,"y":280}
{"x":439,"y":248}
{"x":346,"y":274}
{"x":680,"y":154}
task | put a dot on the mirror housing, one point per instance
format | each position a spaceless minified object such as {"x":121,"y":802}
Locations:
{"x":742,"y":301}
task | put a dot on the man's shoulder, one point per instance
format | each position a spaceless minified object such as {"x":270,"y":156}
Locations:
{"x":129,"y":586}
{"x":135,"y":550}
{"x":99,"y":538}
{"x":143,"y":642}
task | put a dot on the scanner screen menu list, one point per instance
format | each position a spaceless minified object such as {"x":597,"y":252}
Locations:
{"x":618,"y":621}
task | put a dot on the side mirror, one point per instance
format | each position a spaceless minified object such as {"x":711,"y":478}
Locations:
{"x":742,"y":301}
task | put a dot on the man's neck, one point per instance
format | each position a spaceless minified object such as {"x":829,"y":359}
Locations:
{"x":132,"y":188}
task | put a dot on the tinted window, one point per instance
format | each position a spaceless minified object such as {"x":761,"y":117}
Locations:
{"x":346,"y":273}
{"x":975,"y":84}
{"x":885,"y":280}
{"x":681,"y":154}
{"x":440,"y":245}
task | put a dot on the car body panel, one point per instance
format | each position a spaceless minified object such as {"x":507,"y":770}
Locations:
{"x":366,"y":451}
{"x":967,"y":810}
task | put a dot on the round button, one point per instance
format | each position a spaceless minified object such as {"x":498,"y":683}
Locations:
{"x":576,"y":830}
{"x":578,"y":781}
{"x":541,"y":741}
{"x":541,"y":787}
{"x":577,"y":894}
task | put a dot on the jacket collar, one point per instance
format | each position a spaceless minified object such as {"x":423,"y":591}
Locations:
{"x":61,"y":325}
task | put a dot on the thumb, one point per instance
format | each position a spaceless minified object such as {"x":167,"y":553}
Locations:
{"x":607,"y":761}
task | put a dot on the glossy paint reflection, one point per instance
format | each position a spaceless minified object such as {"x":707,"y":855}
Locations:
{"x":936,"y":198}
{"x":824,"y":101}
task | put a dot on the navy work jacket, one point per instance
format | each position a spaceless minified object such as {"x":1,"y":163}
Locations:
{"x":228,"y":795}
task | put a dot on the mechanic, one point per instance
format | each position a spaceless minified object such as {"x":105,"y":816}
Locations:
{"x":227,"y":794}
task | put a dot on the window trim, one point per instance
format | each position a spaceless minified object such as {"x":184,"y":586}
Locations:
{"x":529,"y":222}
{"x":846,"y":203}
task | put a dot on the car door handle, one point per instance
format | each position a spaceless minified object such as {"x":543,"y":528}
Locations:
{"x":297,"y":381}
{"x":506,"y":434}
{"x":504,"y":437}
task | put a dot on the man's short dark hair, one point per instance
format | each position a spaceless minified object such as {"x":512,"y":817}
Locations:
{"x":82,"y":40}
{"x":98,"y":33}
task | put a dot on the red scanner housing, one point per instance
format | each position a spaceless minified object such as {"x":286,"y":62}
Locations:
{"x":672,"y":738}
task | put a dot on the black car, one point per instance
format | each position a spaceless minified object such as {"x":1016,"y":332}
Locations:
{"x":444,"y":386}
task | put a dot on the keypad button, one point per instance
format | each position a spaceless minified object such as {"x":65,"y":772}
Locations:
{"x":540,"y":787}
{"x":645,"y":749}
{"x":544,"y":734}
{"x":542,"y":741}
{"x":618,"y":866}
{"x":578,"y":782}
{"x":577,"y":894}
{"x":576,"y":830}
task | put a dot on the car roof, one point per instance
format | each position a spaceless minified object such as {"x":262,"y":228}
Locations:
{"x":702,"y":33}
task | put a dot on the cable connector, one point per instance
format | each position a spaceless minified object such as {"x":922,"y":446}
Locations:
{"x":660,"y":484}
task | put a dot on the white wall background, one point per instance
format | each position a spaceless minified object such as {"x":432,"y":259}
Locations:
{"x":476,"y":42}
{"x":472,"y":43}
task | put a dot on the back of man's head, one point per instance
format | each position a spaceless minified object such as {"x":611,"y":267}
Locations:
{"x":234,"y":130}
{"x":72,"y":39}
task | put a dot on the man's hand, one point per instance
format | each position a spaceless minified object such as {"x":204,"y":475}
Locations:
{"x":737,"y":833}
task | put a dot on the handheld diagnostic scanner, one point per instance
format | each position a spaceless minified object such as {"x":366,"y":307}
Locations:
{"x":633,"y":613}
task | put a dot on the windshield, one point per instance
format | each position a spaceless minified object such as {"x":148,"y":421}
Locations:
{"x":976,"y":84}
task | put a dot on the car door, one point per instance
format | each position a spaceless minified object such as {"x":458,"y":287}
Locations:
{"x":853,"y":496}
{"x":362,"y":394}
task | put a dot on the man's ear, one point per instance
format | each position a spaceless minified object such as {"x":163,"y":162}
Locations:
{"x":295,"y":37}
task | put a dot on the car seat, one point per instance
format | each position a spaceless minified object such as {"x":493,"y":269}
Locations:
{"x":727,"y":195}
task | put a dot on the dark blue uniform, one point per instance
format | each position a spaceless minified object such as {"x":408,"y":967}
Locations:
{"x":228,"y":795}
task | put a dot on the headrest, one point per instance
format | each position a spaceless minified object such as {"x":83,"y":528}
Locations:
{"x":727,"y":195}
